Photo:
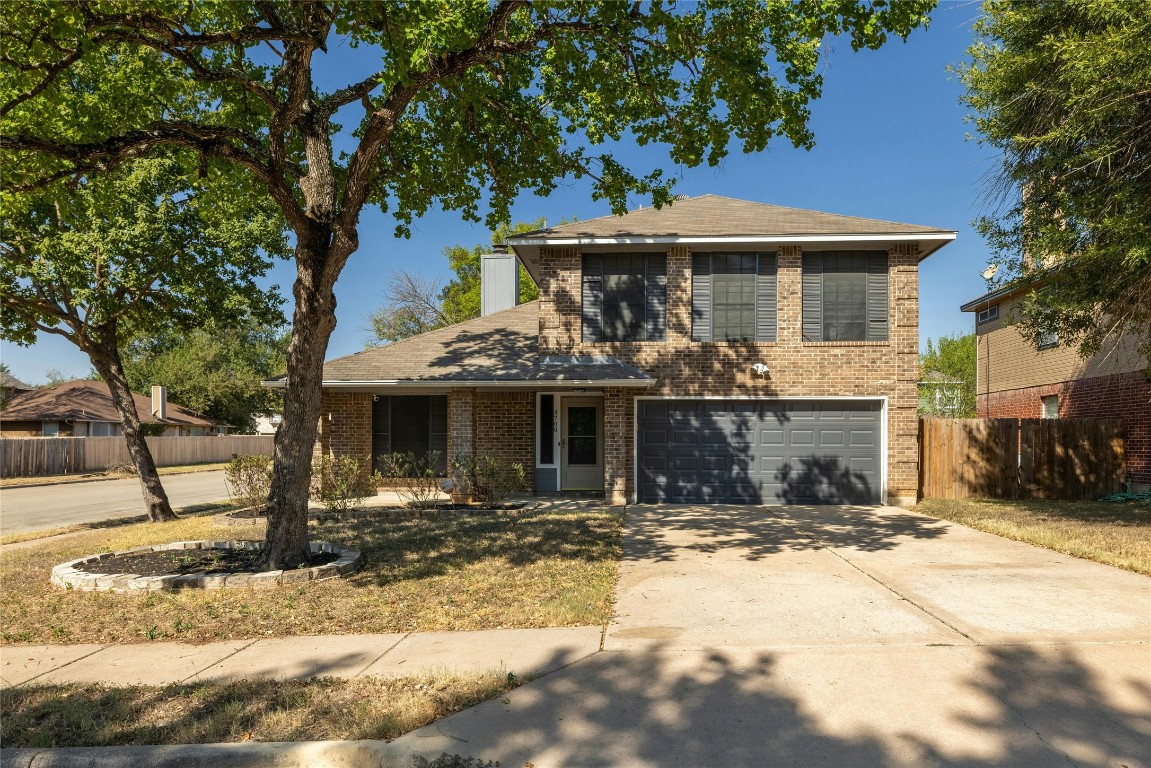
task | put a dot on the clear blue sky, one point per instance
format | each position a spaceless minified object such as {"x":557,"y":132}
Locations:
{"x":890,"y":144}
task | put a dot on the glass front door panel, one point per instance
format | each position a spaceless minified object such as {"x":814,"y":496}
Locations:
{"x":582,"y":438}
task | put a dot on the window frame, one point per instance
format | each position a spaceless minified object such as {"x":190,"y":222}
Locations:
{"x":873,"y":268}
{"x":763,"y":305}
{"x":595,"y":271}
{"x":987,"y":315}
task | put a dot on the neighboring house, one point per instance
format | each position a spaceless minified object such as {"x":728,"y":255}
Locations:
{"x":268,"y":423}
{"x":940,"y":395}
{"x":84,"y":409}
{"x":10,"y":386}
{"x":716,"y":350}
{"x":1016,"y":379}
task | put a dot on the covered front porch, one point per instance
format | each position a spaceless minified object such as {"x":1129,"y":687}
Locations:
{"x":569,"y":439}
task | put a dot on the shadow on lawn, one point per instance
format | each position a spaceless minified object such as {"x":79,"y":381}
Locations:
{"x":661,"y":532}
{"x":417,"y":549}
{"x":992,"y":706}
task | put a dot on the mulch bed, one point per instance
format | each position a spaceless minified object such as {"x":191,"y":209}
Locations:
{"x":186,"y":561}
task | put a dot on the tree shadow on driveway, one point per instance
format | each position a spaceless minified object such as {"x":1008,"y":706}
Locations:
{"x":662,"y":533}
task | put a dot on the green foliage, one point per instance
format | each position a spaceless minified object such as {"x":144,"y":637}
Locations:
{"x":461,"y":297}
{"x":215,"y":370}
{"x":416,"y":306}
{"x":149,"y":248}
{"x":1060,"y":88}
{"x":953,"y":359}
{"x":414,"y":478}
{"x":249,"y":478}
{"x":488,"y":479}
{"x":342,"y":483}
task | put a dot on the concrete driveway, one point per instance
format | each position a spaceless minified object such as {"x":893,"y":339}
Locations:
{"x":837,"y":636}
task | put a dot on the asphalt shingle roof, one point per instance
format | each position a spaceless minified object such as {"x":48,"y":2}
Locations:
{"x":86,"y":400}
{"x":718,"y":216}
{"x":502,"y":346}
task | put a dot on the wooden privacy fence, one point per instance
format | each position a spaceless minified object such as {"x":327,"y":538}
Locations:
{"x":32,"y":456}
{"x":1020,"y":458}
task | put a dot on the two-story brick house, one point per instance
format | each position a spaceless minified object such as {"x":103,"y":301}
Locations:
{"x":715,"y":350}
{"x":1017,"y":379}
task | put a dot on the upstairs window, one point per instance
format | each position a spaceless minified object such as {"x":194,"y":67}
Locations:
{"x":624,"y":297}
{"x":987,"y":315}
{"x":1048,"y":340}
{"x":845,"y":296}
{"x":733,"y":297}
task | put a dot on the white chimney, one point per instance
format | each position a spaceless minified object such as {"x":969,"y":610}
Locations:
{"x":160,"y":403}
{"x":499,"y":282}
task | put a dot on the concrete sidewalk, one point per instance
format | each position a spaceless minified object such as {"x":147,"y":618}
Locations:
{"x":522,"y":651}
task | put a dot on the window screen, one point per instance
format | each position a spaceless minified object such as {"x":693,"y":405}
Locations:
{"x":624,"y":302}
{"x":624,"y":297}
{"x":415,"y":424}
{"x":844,"y":297}
{"x":733,"y":296}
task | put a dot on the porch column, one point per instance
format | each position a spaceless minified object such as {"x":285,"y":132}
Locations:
{"x":618,"y":409}
{"x":345,"y":428}
{"x":461,"y":424}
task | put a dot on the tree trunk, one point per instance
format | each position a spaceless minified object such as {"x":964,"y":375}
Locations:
{"x":313,"y":321}
{"x":108,"y":365}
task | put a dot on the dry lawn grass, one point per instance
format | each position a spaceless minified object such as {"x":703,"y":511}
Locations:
{"x":212,"y":507}
{"x":537,"y":569}
{"x":1115,"y":534}
{"x":92,"y":715}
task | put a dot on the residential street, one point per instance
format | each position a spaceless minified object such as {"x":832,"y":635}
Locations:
{"x":56,"y":506}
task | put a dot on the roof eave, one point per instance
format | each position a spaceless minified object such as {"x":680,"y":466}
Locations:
{"x":527,"y":248}
{"x":487,"y":383}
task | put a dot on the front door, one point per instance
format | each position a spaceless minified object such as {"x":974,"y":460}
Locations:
{"x":581,"y":444}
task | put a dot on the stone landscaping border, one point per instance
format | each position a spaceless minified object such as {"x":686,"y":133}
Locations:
{"x":229,"y":519}
{"x":67,"y":576}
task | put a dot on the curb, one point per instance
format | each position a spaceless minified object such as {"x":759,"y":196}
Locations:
{"x":80,"y":480}
{"x":282,"y":754}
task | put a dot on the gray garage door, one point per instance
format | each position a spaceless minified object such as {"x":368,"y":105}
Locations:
{"x":760,"y":451}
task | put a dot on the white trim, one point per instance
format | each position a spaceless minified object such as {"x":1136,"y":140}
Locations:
{"x":417,"y":384}
{"x":751,"y":239}
{"x":883,"y":415}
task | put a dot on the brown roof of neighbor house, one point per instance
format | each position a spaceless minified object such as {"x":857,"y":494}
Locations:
{"x":501,"y":348}
{"x":91,"y":401}
{"x":718,"y":216}
{"x":13,"y":384}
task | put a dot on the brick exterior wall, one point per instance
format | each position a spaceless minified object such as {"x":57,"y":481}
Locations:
{"x":505,"y":428}
{"x":345,"y":427}
{"x":1124,"y":396}
{"x":684,"y":368}
{"x":461,"y":424}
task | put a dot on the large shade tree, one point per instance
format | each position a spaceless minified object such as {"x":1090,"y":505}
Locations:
{"x":468,"y":104}
{"x":149,"y":249}
{"x":1061,"y":89}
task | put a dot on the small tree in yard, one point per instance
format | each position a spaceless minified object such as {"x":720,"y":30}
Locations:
{"x":468,"y":104}
{"x":150,"y":248}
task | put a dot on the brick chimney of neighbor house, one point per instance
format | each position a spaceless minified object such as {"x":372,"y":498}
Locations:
{"x":160,"y":402}
{"x":499,"y":282}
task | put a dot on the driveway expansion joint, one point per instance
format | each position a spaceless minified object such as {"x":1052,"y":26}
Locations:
{"x":876,"y":579}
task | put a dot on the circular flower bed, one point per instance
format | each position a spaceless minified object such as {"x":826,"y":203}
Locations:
{"x":196,"y":565}
{"x":246,"y":517}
